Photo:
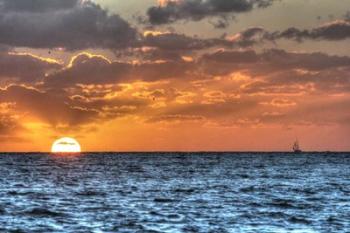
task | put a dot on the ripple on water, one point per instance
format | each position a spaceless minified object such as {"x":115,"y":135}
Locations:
{"x":43,"y":212}
{"x":283,"y":203}
{"x":300,"y":220}
{"x":2,"y":211}
{"x":185,"y":191}
{"x":164,"y":200}
{"x":91,"y":193}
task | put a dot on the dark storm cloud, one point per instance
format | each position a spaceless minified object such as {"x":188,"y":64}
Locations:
{"x":62,"y":24}
{"x":172,"y":11}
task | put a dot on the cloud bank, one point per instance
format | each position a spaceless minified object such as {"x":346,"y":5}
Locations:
{"x":172,"y":11}
{"x":68,"y":24}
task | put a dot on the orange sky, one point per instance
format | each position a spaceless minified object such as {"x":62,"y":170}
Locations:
{"x":121,"y":84}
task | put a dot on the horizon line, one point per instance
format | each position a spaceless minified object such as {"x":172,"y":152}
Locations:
{"x":177,"y":151}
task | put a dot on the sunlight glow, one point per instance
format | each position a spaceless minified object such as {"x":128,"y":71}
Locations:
{"x":66,"y":145}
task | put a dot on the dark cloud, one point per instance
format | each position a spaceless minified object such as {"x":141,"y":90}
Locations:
{"x":172,"y":11}
{"x":336,"y":30}
{"x":97,"y":70}
{"x":89,"y":70}
{"x":221,"y":23}
{"x":24,"y":68}
{"x":172,"y":46}
{"x":37,"y":5}
{"x":273,"y":60}
{"x":62,"y":24}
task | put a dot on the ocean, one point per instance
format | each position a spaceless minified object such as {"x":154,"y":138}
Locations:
{"x":175,"y":192}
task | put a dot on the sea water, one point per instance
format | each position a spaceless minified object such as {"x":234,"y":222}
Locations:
{"x":175,"y":192}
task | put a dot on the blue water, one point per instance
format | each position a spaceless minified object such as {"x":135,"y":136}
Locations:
{"x":175,"y":192}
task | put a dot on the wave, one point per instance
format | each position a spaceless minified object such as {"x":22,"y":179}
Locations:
{"x":43,"y":212}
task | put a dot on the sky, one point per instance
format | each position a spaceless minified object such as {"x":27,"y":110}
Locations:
{"x":175,"y":75}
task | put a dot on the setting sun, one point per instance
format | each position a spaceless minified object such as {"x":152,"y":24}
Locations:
{"x":66,"y":145}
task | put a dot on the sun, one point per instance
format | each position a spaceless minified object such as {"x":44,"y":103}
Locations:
{"x":66,"y":145}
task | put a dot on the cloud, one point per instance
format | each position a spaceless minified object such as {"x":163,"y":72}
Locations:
{"x":269,"y":61}
{"x":89,"y":69}
{"x":171,"y":41}
{"x":174,"y":41}
{"x":93,"y":89}
{"x":332,"y":31}
{"x":37,"y":5}
{"x":172,"y":11}
{"x":8,"y":122}
{"x":321,"y":111}
{"x":175,"y":118}
{"x":68,"y":24}
{"x":171,"y":46}
{"x":280,"y":103}
{"x":288,"y":67}
{"x":24,"y":67}
{"x":50,"y":108}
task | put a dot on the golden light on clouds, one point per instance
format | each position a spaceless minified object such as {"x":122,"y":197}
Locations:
{"x":164,"y":2}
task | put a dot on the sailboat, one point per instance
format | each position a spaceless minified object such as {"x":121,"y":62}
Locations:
{"x":296,"y":147}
